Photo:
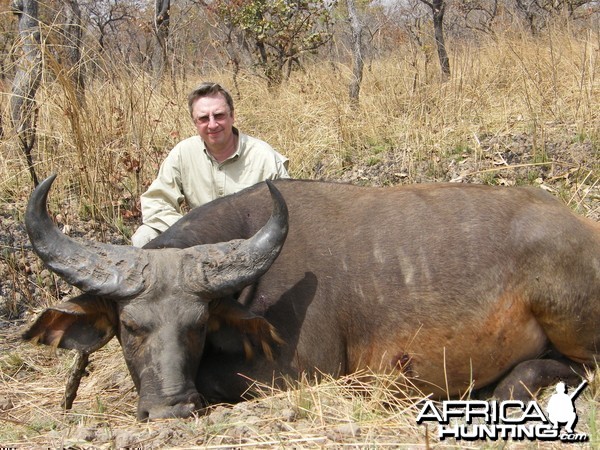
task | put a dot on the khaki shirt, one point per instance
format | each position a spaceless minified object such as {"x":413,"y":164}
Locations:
{"x":190,"y":173}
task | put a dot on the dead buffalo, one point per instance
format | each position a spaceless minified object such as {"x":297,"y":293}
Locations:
{"x":451,"y":285}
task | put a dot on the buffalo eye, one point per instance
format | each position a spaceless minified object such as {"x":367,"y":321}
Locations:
{"x":134,"y":327}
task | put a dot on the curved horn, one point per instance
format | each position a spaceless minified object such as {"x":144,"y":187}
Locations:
{"x":227,"y":267}
{"x":101,"y":269}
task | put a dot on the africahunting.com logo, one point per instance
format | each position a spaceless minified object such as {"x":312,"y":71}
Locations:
{"x":472,"y":420}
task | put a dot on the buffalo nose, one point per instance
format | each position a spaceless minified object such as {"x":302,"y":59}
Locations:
{"x":179,"y":410}
{"x":143,"y":415}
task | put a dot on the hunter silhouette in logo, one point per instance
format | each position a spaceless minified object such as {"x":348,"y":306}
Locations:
{"x":561,"y":407}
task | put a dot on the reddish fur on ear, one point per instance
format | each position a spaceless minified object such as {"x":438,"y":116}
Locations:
{"x":49,"y":328}
{"x":83,"y":323}
{"x":237,"y":316}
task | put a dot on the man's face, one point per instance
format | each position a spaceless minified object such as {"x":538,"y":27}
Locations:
{"x":214,"y":121}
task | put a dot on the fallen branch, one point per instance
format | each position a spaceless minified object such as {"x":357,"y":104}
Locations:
{"x":77,"y":372}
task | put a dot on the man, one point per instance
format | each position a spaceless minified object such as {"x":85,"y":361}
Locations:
{"x":218,"y":161}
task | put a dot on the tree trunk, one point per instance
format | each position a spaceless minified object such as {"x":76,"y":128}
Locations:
{"x":27,"y":79}
{"x":526,"y":7}
{"x":356,"y":28}
{"x":438,"y":7}
{"x":162,"y":19}
{"x":73,"y":36}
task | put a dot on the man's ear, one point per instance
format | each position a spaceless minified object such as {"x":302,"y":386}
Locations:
{"x":85,"y":323}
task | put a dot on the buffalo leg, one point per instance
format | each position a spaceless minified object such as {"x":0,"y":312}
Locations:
{"x":528,"y":377}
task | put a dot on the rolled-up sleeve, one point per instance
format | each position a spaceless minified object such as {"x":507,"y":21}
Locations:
{"x":161,"y":203}
{"x":282,"y":164}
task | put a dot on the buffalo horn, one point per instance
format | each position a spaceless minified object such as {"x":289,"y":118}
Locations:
{"x":111,"y":271}
{"x":228,"y":267}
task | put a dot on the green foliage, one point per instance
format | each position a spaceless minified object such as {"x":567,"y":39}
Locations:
{"x":372,"y":161}
{"x":593,"y":423}
{"x":461,"y":148}
{"x":11,"y":364}
{"x":278,"y":32}
{"x":123,"y":227}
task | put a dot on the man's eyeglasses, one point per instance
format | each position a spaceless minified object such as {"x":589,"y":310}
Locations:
{"x":217,"y":117}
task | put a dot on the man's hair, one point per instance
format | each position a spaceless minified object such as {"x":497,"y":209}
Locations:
{"x":206,"y":89}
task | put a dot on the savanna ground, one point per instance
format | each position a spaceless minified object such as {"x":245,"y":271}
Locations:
{"x":516,"y":111}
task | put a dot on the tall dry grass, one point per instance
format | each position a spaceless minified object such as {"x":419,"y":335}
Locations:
{"x":544,"y":89}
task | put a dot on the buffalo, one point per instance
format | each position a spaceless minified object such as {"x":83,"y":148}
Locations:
{"x":455,"y":287}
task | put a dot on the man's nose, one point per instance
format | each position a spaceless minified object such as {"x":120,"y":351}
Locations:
{"x":212,"y":122}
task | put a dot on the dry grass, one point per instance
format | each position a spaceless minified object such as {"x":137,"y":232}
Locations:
{"x":544,"y":88}
{"x":544,"y":91}
{"x":353,"y":412}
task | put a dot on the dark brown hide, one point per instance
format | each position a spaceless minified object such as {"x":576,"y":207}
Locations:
{"x":161,"y":309}
{"x":452,"y":285}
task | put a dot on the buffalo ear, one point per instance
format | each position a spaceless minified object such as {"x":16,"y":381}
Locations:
{"x":251,"y":326}
{"x":85,"y":323}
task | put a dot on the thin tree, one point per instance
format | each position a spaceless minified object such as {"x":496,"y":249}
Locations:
{"x":480,"y":15}
{"x":162,"y":19}
{"x":27,"y":79}
{"x":73,"y":32}
{"x":356,"y":28}
{"x":438,"y":8}
{"x":275,"y":34}
{"x":107,"y":15}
